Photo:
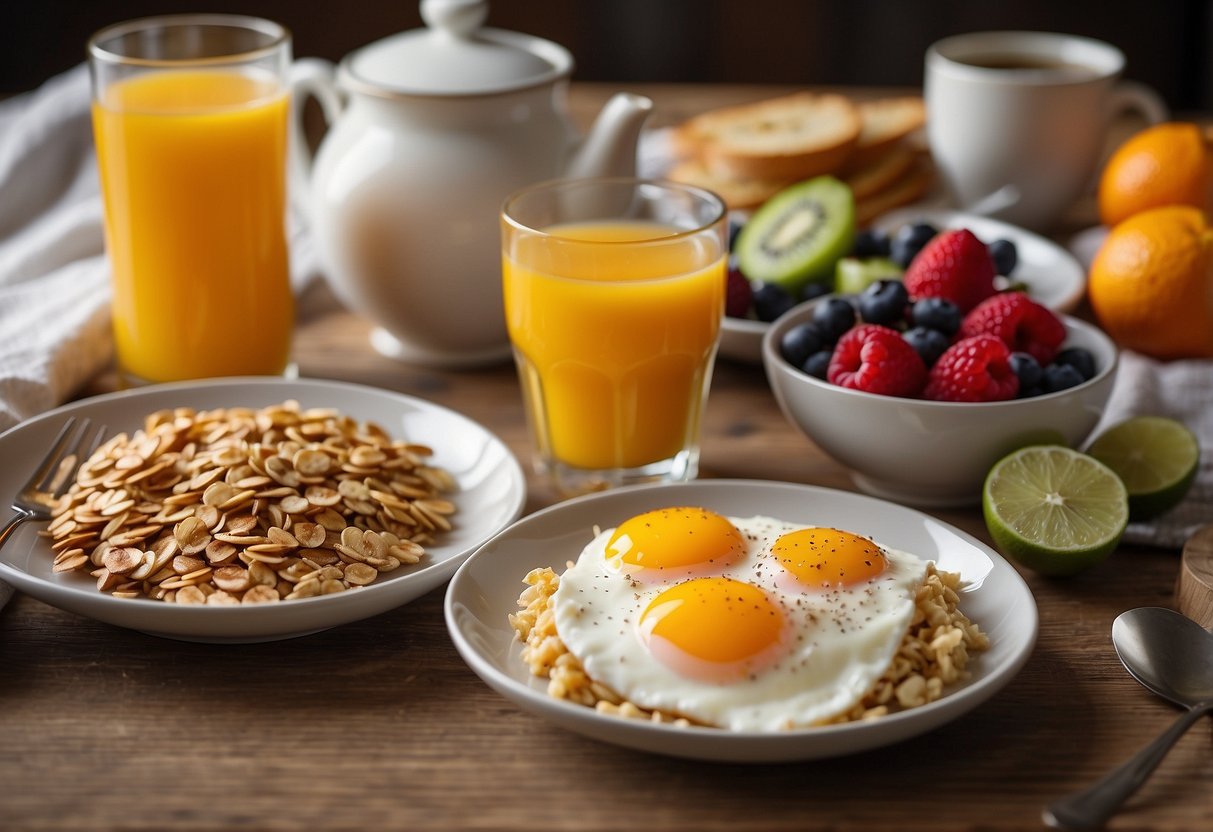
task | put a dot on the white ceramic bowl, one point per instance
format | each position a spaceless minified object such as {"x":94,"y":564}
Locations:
{"x":931,"y":453}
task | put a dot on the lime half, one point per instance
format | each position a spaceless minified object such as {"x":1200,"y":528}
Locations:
{"x":1053,"y":509}
{"x":1155,"y":457}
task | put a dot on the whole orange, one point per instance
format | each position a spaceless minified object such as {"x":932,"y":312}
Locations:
{"x":1166,"y":164}
{"x":1150,"y":284}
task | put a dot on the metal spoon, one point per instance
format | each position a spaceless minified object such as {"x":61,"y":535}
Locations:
{"x":1172,"y":656}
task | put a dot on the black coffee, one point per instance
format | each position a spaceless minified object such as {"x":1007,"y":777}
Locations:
{"x":1036,"y":63}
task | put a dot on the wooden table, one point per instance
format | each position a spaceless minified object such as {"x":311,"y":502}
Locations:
{"x":380,"y":725}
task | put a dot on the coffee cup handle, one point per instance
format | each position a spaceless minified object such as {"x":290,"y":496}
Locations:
{"x":1132,"y":96}
{"x":310,"y":78}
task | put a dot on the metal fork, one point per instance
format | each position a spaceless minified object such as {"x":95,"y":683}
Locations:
{"x":50,"y":481}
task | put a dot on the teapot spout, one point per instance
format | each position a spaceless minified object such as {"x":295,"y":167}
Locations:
{"x":610,"y":147}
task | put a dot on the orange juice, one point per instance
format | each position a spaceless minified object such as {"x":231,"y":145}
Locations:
{"x":614,"y":326}
{"x":193,"y":171}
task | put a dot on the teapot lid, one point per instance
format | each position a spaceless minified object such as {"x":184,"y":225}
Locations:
{"x":455,"y":55}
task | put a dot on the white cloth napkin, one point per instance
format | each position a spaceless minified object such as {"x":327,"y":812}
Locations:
{"x":54,"y":277}
{"x":1182,"y":390}
{"x":54,"y":281}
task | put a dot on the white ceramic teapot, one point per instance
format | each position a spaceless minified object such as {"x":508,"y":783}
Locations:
{"x":429,"y":131}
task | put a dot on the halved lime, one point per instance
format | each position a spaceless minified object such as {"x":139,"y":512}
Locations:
{"x":1053,"y":509}
{"x":1156,"y":457}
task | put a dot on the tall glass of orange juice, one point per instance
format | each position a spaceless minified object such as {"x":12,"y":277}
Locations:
{"x":614,"y":293}
{"x":190,"y":122}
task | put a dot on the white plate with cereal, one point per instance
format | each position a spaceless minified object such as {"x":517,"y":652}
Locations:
{"x":481,"y":492}
{"x":633,"y":651}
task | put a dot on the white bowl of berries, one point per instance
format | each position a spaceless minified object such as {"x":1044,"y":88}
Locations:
{"x":920,"y":385}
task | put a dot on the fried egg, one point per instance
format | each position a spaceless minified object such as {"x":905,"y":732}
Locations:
{"x":750,"y":624}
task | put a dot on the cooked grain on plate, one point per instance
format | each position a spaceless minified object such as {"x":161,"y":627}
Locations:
{"x":241,"y":505}
{"x":933,"y":654}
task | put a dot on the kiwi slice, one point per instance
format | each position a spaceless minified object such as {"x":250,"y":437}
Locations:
{"x":798,"y":235}
{"x":854,"y":274}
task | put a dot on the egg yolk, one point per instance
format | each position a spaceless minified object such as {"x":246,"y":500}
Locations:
{"x":684,"y":540}
{"x":713,"y":629}
{"x":828,"y":558}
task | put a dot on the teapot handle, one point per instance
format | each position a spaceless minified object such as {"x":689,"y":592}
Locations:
{"x":309,"y":77}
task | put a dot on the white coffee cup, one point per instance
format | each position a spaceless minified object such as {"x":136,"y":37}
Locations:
{"x":1017,"y":121}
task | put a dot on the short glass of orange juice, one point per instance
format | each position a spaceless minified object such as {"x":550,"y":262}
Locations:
{"x":614,"y":294}
{"x":190,"y":122}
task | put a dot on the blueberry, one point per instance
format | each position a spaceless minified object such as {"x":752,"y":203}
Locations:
{"x":937,"y":313}
{"x":884,"y":302}
{"x":928,"y":343}
{"x":771,"y":301}
{"x":801,"y":341}
{"x":1060,"y":377}
{"x":833,"y":317}
{"x":1028,"y":370}
{"x":735,"y":226}
{"x":813,"y":290}
{"x":818,"y":364}
{"x":871,"y":242}
{"x":909,"y":240}
{"x":1004,"y":255}
{"x":1080,"y":359}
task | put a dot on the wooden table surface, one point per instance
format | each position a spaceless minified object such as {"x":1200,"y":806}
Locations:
{"x":380,"y":725}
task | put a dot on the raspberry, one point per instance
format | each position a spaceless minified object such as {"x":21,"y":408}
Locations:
{"x":876,"y":359}
{"x":738,"y":294}
{"x":1019,"y":322}
{"x":953,"y":265}
{"x":976,"y":369}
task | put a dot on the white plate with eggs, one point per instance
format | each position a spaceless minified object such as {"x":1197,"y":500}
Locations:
{"x":484,"y":593}
{"x":1052,"y":275}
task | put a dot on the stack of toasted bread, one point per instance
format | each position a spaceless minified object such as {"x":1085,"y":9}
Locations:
{"x":749,"y":153}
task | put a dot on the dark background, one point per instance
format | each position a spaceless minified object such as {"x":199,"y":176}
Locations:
{"x":877,"y":42}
